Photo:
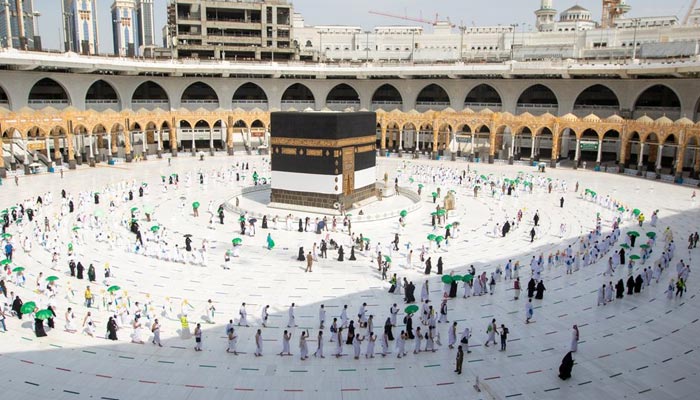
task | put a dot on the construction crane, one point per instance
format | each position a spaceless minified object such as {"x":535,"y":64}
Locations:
{"x":413,"y":19}
{"x":612,"y":9}
{"x":690,"y":11}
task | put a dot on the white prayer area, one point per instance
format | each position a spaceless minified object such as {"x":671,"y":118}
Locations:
{"x":641,"y":346}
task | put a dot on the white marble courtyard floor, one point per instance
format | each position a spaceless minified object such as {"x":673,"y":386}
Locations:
{"x":641,"y":347}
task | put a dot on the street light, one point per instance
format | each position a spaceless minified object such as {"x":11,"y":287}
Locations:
{"x":367,"y":45}
{"x":512,"y":43}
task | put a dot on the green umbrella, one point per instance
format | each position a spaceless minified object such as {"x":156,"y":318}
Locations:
{"x":484,"y":178}
{"x":195,"y":204}
{"x":366,"y":239}
{"x":446,"y":279}
{"x":28,"y":307}
{"x":625,"y":246}
{"x":348,"y":214}
{"x":448,"y":226}
{"x":51,"y":278}
{"x":644,"y":246}
{"x":3,"y":212}
{"x":43,"y":314}
{"x":634,"y":257}
{"x":13,"y":208}
{"x":434,"y":194}
{"x":155,"y":228}
{"x":651,"y":235}
{"x":420,"y":186}
{"x":621,"y":209}
{"x":387,"y":259}
{"x":636,"y":211}
{"x":18,"y":269}
{"x":411,"y":309}
{"x":113,"y":288}
{"x":431,"y":237}
{"x":468,"y":278}
{"x":434,"y":213}
{"x":403,"y":213}
{"x":134,"y":209}
{"x":6,"y":235}
{"x":237,"y":241}
{"x":410,"y":180}
{"x":241,"y":219}
{"x":99,"y":213}
{"x":75,"y":228}
{"x":439,"y":239}
{"x":6,"y":261}
{"x":457,"y":278}
{"x":441,"y":212}
{"x":633,"y":233}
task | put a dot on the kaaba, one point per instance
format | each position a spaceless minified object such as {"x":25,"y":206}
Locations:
{"x":323,"y":159}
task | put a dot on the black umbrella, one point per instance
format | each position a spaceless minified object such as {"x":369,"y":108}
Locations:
{"x":188,"y":235}
{"x":253,"y":220}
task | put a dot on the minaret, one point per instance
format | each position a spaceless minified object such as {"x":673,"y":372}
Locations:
{"x":545,"y":15}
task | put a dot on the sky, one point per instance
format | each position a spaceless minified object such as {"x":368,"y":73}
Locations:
{"x":356,"y":12}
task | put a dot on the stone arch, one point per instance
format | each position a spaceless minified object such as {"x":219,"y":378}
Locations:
{"x":343,"y":96}
{"x":298,"y":95}
{"x":199,"y":94}
{"x":101,"y":95}
{"x":537,"y":99}
{"x":483,"y":96}
{"x":149,"y":95}
{"x":433,"y":97}
{"x":386,"y":97}
{"x":595,"y":98}
{"x":250,"y":95}
{"x":5,"y":100}
{"x":657,"y":100}
{"x":45,"y":92}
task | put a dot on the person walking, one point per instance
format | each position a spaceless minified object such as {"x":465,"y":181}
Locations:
{"x":258,"y":343}
{"x":491,"y":332}
{"x":459,"y":360}
{"x":528,"y":311}
{"x":574,"y":339}
{"x":319,"y":345}
{"x":155,"y":329}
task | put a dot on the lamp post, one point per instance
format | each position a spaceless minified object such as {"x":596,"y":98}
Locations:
{"x":512,"y":43}
{"x":634,"y":39}
{"x":367,"y":46}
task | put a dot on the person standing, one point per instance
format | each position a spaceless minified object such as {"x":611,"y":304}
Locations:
{"x":528,"y":311}
{"x":321,"y":316}
{"x":504,"y":337}
{"x":309,"y":262}
{"x":198,"y":338}
{"x":532,"y":234}
{"x":258,"y":344}
{"x":459,"y":360}
{"x":303,"y":346}
{"x":286,"y":338}
{"x":516,"y":288}
{"x":232,"y":341}
{"x":292,"y":322}
{"x":452,"y":335}
{"x":265,"y":316}
{"x":88,"y":297}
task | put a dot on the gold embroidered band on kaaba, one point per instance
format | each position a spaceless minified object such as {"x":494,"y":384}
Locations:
{"x":325,"y":143}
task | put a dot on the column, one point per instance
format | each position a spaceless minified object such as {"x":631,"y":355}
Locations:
{"x":511,"y":152}
{"x":659,"y":154}
{"x":696,"y":163}
{"x":229,"y":139}
{"x":382,"y":142}
{"x":97,"y":147}
{"x":71,"y":151}
{"x":533,"y":142}
{"x":91,"y":156}
{"x":211,"y":141}
{"x":435,"y":139}
{"x":400,"y":133}
{"x":159,"y":143}
{"x":57,"y":150}
{"x":194,"y":150}
{"x":111,"y":147}
{"x":680,"y":154}
{"x":174,"y":130}
{"x":492,"y":143}
{"x":577,"y":156}
{"x":128,"y":150}
{"x":640,"y":158}
{"x":47,"y":143}
{"x":144,"y":148}
{"x":3,"y":171}
{"x":599,"y":157}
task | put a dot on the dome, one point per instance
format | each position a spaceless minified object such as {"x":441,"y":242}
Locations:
{"x":569,"y":118}
{"x":467,"y":110}
{"x":664,"y":121}
{"x":615,"y":118}
{"x":448,"y":110}
{"x":547,"y":115}
{"x":645,"y":120}
{"x":575,"y":13}
{"x":684,"y":121}
{"x":486,"y":111}
{"x":591,"y":118}
{"x":526,"y":115}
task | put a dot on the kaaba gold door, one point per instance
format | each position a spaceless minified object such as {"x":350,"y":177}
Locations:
{"x":348,"y":170}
